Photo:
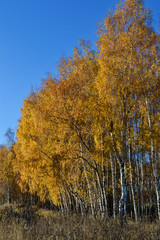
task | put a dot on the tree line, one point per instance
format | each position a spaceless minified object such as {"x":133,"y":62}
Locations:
{"x":88,"y":141}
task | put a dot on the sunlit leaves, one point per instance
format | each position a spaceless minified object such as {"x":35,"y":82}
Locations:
{"x":64,"y":135}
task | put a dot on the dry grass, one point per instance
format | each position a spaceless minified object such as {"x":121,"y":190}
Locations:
{"x":17,"y":223}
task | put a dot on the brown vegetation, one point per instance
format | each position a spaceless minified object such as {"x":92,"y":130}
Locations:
{"x":17,"y":223}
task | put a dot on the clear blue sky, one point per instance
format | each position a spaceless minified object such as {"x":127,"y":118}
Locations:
{"x":34,"y":34}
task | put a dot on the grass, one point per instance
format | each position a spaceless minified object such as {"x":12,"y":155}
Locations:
{"x":20,"y":223}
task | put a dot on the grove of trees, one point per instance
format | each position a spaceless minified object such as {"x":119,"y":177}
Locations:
{"x":89,"y":140}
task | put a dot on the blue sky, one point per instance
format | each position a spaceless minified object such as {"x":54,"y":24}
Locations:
{"x":34,"y":34}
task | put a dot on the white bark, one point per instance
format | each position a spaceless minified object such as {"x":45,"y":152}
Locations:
{"x":123,"y":198}
{"x":142,"y":183}
{"x":87,"y":180}
{"x":114,"y":188}
{"x":104,"y":181}
{"x":153,"y":159}
{"x":131,"y":182}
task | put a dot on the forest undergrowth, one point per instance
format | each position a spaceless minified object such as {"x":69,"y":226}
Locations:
{"x":21,"y":223}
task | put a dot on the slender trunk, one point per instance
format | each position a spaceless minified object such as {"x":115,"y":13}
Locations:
{"x":71,"y":200}
{"x":104,"y":181}
{"x":130,"y":202}
{"x":131,"y":182}
{"x":8,"y":193}
{"x":113,"y":186}
{"x":104,"y":191}
{"x":61,"y":202}
{"x":137,"y":184}
{"x":155,"y":171}
{"x":88,"y":183}
{"x":122,"y":161}
{"x":142,"y":183}
{"x":123,"y":198}
{"x":153,"y":160}
{"x":101,"y":201}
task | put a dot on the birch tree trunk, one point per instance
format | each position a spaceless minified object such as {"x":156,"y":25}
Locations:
{"x":100,"y":191}
{"x":153,"y":160}
{"x":104,"y":181}
{"x":104,"y":190}
{"x":123,"y":199}
{"x":131,"y":182}
{"x":137,"y":184}
{"x":88,"y":183}
{"x":114,"y":187}
{"x":155,"y":171}
{"x":142,"y":183}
